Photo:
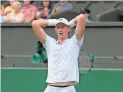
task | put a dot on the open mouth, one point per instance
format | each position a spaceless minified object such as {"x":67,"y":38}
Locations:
{"x":60,"y":33}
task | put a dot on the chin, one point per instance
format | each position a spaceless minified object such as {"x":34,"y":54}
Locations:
{"x":61,"y":37}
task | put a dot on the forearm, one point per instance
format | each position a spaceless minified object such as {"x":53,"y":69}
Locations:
{"x":79,"y":22}
{"x":6,"y":19}
{"x":46,"y":22}
{"x":80,"y":26}
{"x":41,"y":23}
{"x":53,"y":11}
{"x":75,"y":20}
{"x":38,"y":26}
{"x":38,"y":14}
{"x":20,"y":20}
{"x":29,"y":19}
{"x":16,"y":21}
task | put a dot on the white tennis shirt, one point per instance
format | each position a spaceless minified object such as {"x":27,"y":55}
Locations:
{"x":63,"y":59}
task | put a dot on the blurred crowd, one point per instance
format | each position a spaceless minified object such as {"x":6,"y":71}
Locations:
{"x":15,"y":13}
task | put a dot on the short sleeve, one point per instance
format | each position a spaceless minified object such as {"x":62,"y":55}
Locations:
{"x":49,"y":42}
{"x":71,"y":6}
{"x":78,"y":42}
{"x":35,"y":8}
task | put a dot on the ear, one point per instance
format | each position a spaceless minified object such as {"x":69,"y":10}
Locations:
{"x":55,"y":29}
{"x":70,"y":28}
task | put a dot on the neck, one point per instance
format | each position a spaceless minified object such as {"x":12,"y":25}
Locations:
{"x":28,"y":5}
{"x":16,"y":12}
{"x":45,"y":7}
{"x":61,"y":40}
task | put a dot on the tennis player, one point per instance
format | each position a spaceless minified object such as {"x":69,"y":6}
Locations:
{"x":63,"y":71}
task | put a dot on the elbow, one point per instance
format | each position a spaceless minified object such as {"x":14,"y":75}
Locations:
{"x":82,"y":18}
{"x":35,"y":23}
{"x":39,"y":23}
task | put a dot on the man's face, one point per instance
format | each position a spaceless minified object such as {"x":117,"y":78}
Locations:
{"x":62,"y":30}
{"x":63,"y":1}
{"x":26,"y":2}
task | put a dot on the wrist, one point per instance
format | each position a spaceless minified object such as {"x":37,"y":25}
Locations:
{"x":52,"y":22}
{"x":72,"y":23}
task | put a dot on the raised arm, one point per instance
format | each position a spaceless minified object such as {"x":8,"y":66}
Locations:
{"x":37,"y":26}
{"x":80,"y":22}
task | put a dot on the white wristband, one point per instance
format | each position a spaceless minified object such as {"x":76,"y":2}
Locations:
{"x":52,"y":22}
{"x":71,"y":23}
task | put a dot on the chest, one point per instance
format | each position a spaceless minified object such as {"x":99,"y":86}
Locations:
{"x":28,"y":11}
{"x":59,"y":50}
{"x":65,"y":7}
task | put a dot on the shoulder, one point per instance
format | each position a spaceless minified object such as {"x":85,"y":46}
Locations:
{"x":23,"y":9}
{"x":50,"y":38}
{"x":49,"y":41}
{"x":69,"y":4}
{"x":33,"y":7}
{"x":74,"y":38}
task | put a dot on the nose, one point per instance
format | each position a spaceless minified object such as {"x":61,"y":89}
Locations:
{"x":60,"y":29}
